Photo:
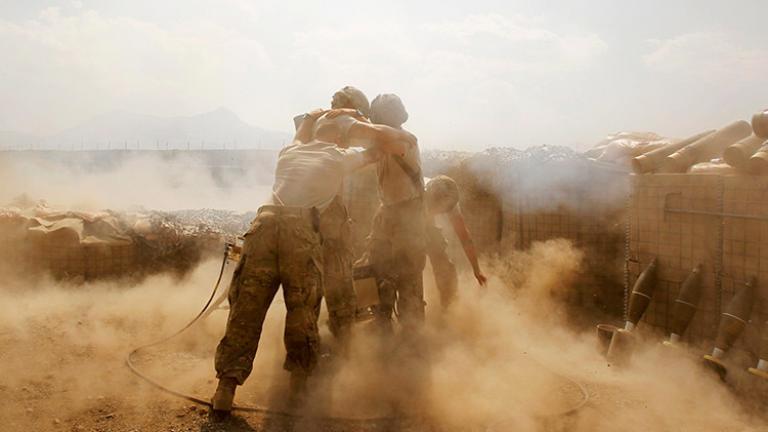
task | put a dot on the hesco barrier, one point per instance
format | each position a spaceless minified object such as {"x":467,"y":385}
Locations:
{"x":86,"y":262}
{"x":718,"y":222}
{"x":584,"y":215}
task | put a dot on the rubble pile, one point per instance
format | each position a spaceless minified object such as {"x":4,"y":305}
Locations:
{"x":224,"y":222}
{"x":511,"y":158}
{"x":548,"y":154}
{"x":436,"y":162}
{"x":541,"y":167}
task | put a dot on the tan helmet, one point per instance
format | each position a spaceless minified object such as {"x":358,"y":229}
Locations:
{"x":388,"y":109}
{"x":351,"y":97}
{"x":441,"y":194}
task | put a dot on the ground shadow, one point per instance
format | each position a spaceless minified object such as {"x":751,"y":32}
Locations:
{"x":233,"y":423}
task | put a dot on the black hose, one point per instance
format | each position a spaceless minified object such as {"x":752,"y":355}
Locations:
{"x":135,"y":370}
{"x":129,"y":362}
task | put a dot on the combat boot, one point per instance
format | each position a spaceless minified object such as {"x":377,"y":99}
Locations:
{"x":297,"y":389}
{"x":224,"y":396}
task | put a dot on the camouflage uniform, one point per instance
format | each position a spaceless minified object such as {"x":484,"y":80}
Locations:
{"x":443,"y":268}
{"x":283,"y":246}
{"x":335,"y":227}
{"x":398,"y":256}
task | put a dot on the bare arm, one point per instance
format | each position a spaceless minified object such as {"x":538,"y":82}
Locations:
{"x":460,"y":228}
{"x":385,"y":138}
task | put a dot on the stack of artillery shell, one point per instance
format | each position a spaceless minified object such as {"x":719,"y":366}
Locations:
{"x":650,"y":161}
{"x":706,"y":148}
{"x":732,"y":323}
{"x":758,"y":163}
{"x":760,"y":124}
{"x":686,"y":304}
{"x":762,"y":365}
{"x":737,"y":155}
{"x":641,"y":295}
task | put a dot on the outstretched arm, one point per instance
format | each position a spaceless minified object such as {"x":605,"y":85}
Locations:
{"x":305,"y":129}
{"x":460,"y":228}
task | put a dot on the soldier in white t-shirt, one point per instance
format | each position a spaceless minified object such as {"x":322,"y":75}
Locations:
{"x":283,"y":247}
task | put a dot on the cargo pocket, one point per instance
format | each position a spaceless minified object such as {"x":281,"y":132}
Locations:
{"x":260,"y":223}
{"x":237,"y":276}
{"x":346,"y":239}
{"x":307,"y":235}
{"x":301,"y":335}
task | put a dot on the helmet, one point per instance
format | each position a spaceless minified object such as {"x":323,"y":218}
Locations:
{"x":351,"y":97}
{"x":388,"y":109}
{"x":441,"y":194}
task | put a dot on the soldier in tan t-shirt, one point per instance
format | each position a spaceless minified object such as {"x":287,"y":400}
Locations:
{"x":397,"y":246}
{"x":441,"y":198}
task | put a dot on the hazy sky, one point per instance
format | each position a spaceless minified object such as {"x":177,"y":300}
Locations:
{"x":472,"y":73}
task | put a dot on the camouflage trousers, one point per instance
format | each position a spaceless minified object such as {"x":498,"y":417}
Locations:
{"x":443,"y":269}
{"x":283,"y":246}
{"x":338,"y":290}
{"x":397,"y":254}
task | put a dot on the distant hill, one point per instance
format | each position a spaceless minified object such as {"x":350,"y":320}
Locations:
{"x":217,"y":129}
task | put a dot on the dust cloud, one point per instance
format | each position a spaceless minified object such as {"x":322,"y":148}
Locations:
{"x":154,"y":180}
{"x":78,"y":335}
{"x":549,"y":178}
{"x":505,"y":358}
{"x":500,"y":358}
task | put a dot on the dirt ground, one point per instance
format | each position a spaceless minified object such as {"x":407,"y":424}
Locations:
{"x":501,"y":359}
{"x":47,"y":401}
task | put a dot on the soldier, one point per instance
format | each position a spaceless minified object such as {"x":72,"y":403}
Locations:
{"x":283,"y":247}
{"x":397,"y":244}
{"x":335,"y":227}
{"x":442,"y":198}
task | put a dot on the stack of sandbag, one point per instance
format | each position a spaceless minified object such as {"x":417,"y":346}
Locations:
{"x":620,"y":148}
{"x":715,"y":166}
{"x":80,"y":246}
{"x":736,"y":147}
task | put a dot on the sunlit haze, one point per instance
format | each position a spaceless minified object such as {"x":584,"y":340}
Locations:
{"x":473,"y":74}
